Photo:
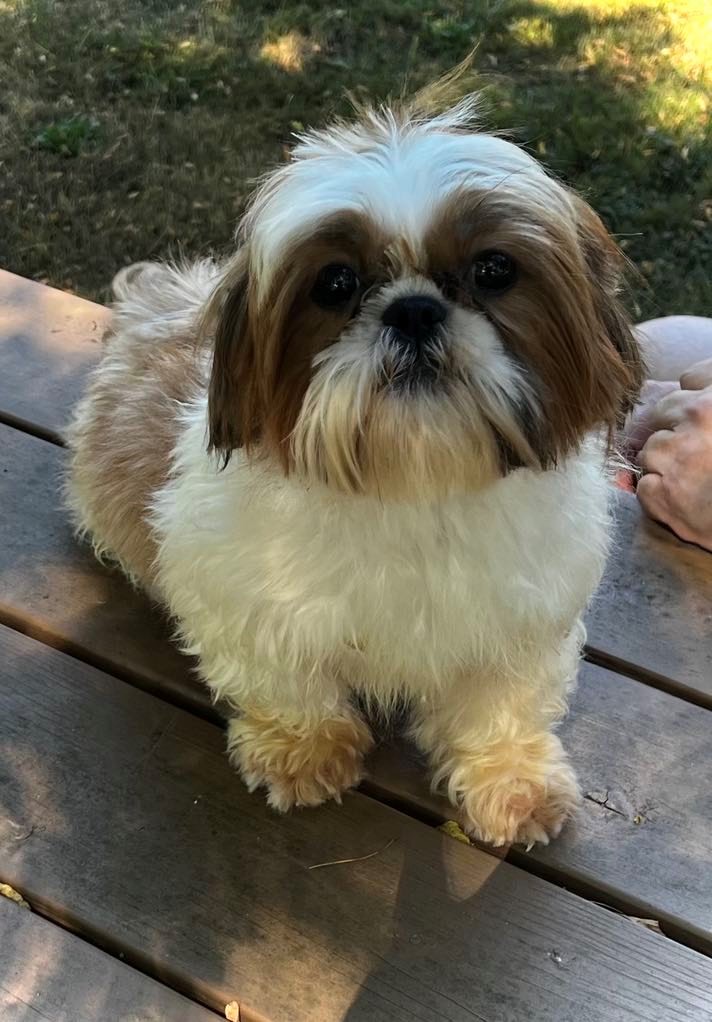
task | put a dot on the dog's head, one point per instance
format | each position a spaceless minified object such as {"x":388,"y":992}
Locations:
{"x":416,"y":308}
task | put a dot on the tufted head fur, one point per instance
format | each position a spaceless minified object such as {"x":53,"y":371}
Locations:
{"x":416,"y":308}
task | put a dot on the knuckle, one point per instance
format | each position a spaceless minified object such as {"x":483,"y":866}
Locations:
{"x":697,"y":376}
{"x":699,"y":411}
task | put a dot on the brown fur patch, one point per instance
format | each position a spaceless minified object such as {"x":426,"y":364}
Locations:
{"x":122,"y":438}
{"x":263,"y":348}
{"x":561,"y":320}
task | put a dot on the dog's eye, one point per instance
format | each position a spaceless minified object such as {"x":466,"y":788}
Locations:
{"x":494,"y":271}
{"x":334,"y":286}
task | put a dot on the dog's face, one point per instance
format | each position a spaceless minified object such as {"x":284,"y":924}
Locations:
{"x":417,"y":309}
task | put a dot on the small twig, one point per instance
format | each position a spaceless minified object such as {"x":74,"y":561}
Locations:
{"x":358,"y":858}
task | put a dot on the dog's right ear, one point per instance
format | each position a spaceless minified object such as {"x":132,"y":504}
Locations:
{"x":233,"y":390}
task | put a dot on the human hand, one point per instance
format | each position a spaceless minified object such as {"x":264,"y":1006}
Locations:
{"x":641,"y":422}
{"x":676,"y":488}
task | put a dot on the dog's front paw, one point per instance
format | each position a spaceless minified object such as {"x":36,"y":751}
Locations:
{"x":518,"y":794}
{"x":298,"y":765}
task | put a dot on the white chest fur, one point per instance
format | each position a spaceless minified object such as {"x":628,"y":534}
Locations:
{"x":255,"y":563}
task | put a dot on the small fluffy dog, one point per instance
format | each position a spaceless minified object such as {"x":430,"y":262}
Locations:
{"x":368,"y":455}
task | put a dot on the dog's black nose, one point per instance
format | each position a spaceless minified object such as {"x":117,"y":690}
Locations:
{"x":416,"y":317}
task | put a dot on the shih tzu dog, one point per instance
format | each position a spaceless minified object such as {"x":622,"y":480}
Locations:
{"x":368,"y":454}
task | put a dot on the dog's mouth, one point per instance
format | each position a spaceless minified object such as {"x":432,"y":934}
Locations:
{"x":412,"y":366}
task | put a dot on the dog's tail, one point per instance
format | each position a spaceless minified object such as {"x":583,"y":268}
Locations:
{"x":160,"y":298}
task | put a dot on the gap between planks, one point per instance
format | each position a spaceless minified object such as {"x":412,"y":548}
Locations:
{"x":26,"y":625}
{"x":647,"y":677}
{"x":598,"y":893}
{"x":139,"y":963}
{"x":24,"y":426}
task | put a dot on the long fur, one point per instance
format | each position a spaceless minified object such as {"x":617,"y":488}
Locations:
{"x":317,"y":522}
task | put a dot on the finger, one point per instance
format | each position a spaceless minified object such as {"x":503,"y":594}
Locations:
{"x":697,"y":376}
{"x":638,"y":426}
{"x":671,"y":409}
{"x":652,"y":496}
{"x":655,"y":455}
{"x":653,"y":390}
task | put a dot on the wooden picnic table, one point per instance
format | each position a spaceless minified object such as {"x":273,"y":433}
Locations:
{"x":161,"y":890}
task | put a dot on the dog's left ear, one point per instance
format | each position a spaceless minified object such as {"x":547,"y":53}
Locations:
{"x":233,"y":392}
{"x":605,"y":263}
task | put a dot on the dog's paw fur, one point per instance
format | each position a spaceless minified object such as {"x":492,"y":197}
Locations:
{"x":297,"y":764}
{"x":518,"y":799}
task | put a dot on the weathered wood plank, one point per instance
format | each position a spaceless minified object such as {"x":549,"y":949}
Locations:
{"x":52,"y":589}
{"x":48,"y":975}
{"x":652,"y":616}
{"x":645,"y":760}
{"x":122,"y":814}
{"x":49,"y":341}
{"x":643,"y":837}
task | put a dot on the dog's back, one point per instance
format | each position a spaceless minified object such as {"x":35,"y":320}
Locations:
{"x":124,"y":430}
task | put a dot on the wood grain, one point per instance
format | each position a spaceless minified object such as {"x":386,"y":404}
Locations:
{"x":53,"y":588}
{"x":644,"y":759}
{"x":619,"y":732}
{"x":643,"y":837}
{"x":652,"y":615}
{"x":102,"y":782}
{"x":49,"y":975}
{"x":48,"y":342}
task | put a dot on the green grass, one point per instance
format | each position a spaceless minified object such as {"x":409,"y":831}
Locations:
{"x":69,"y":136}
{"x":133,"y":130}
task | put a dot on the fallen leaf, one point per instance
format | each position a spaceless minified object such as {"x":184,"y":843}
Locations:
{"x":13,"y":895}
{"x":453,"y":829}
{"x":649,"y":924}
